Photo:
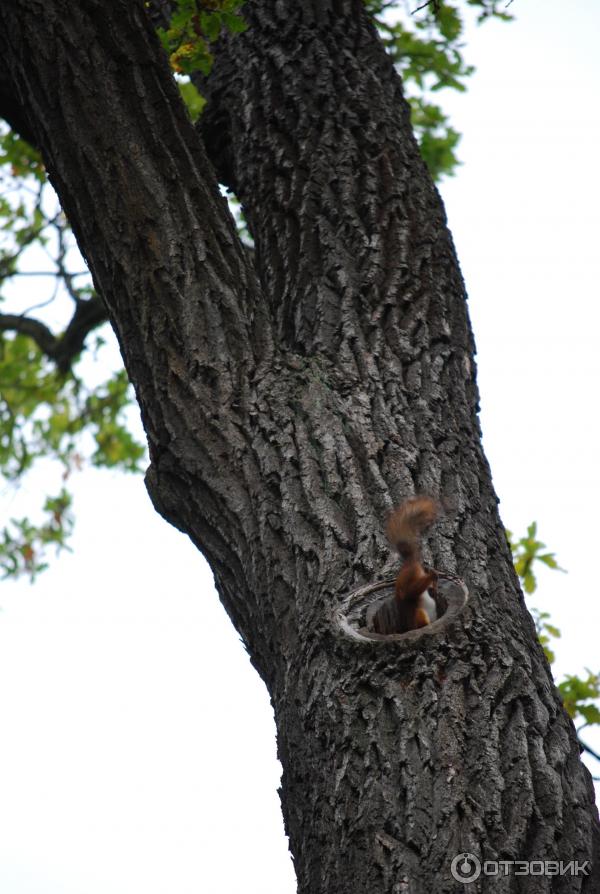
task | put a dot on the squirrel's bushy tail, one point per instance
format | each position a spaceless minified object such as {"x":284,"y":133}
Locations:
{"x":407,"y":524}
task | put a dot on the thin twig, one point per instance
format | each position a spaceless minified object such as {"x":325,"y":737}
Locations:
{"x":589,"y":750}
{"x":48,"y":273}
{"x":434,"y":3}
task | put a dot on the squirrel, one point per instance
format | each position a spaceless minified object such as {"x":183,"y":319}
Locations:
{"x":405,"y":528}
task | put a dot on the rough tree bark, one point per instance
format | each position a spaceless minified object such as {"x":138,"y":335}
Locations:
{"x":289,"y":406}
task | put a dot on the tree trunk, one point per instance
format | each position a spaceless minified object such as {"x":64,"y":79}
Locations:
{"x":289,"y":406}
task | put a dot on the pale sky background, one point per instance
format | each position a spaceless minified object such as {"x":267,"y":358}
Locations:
{"x":138,"y":748}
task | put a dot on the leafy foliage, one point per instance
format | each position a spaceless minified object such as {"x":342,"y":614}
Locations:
{"x":425,"y":43}
{"x":192,"y":99}
{"x":23,"y":545}
{"x":49,"y":411}
{"x":42,"y":413}
{"x":194,"y":26}
{"x":546,"y":631}
{"x":48,"y":416}
{"x":526,"y":552}
{"x":580,"y":695}
{"x":23,"y":159}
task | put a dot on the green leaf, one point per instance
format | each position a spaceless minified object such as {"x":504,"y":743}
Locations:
{"x":211,"y":24}
{"x":579,"y":695}
{"x":193,"y":27}
{"x":193,"y":100}
{"x":234,"y":23}
{"x":23,"y":545}
{"x":590,"y":713}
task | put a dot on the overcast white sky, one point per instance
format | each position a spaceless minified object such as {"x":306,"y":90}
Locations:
{"x":138,"y":749}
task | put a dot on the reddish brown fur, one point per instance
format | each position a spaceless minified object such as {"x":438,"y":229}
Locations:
{"x":405,"y":528}
{"x":407,"y":524}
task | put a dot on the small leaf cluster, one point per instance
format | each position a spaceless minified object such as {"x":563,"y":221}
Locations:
{"x":425,"y":44}
{"x":22,"y":221}
{"x":193,"y":100}
{"x":438,"y":140}
{"x":194,"y":26}
{"x":44,"y":414}
{"x":579,"y":694}
{"x":546,"y":631}
{"x":24,"y":546}
{"x":48,"y":414}
{"x":526,"y":552}
{"x":428,"y":54}
{"x":22,"y":159}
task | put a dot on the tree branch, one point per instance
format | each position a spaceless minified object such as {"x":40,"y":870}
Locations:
{"x":62,"y":349}
{"x":35,"y":329}
{"x":88,"y":315}
{"x":434,"y":3}
{"x":589,"y":750}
